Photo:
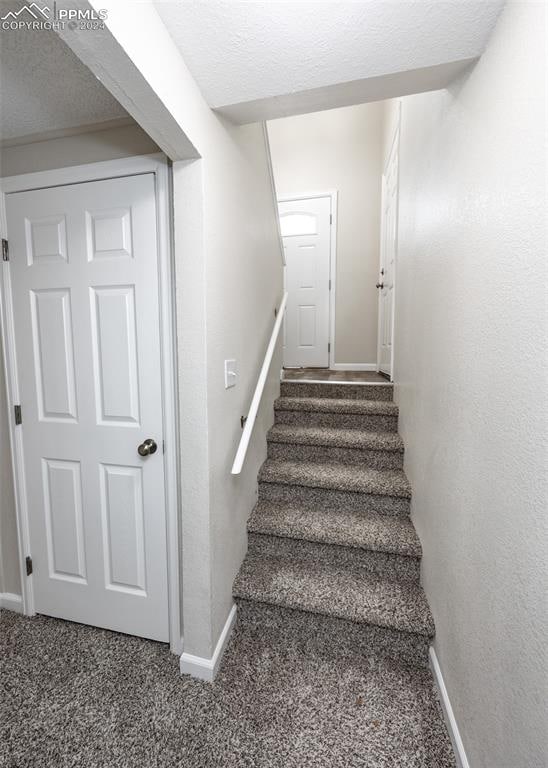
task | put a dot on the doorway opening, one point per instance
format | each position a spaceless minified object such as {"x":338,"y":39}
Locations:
{"x":388,"y":251}
{"x":336,"y":179}
{"x":86,"y":295}
{"x":308,"y":229}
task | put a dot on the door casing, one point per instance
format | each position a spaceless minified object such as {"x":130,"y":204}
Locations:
{"x":158,"y":165}
{"x":332,"y":258}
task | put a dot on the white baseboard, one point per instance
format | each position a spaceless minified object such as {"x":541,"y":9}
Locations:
{"x":11,"y":602}
{"x":206,"y":669}
{"x":353,"y":367}
{"x":448,"y":714}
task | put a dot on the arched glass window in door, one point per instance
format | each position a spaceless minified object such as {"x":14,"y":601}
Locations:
{"x":296,"y":223}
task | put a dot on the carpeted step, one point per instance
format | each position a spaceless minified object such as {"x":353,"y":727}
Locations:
{"x":373,"y":415}
{"x":385,"y":565}
{"x":294,"y":442}
{"x":337,"y":390}
{"x":344,"y":528}
{"x":332,"y":500}
{"x":319,"y":636}
{"x":347,"y":593}
{"x":339,"y":477}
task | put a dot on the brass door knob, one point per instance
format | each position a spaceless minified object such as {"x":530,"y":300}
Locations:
{"x":147,"y":447}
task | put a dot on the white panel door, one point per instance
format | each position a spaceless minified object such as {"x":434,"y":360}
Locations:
{"x":306,"y":232}
{"x":84,"y":272}
{"x":386,"y":282}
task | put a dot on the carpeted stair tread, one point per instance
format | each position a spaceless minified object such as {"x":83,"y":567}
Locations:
{"x":350,"y":593}
{"x":335,"y":437}
{"x":332,"y":389}
{"x":337,"y":405}
{"x":373,"y":531}
{"x":390,"y":482}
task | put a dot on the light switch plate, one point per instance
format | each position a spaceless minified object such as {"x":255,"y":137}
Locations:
{"x":231,"y":374}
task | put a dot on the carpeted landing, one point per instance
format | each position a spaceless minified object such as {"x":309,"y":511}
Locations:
{"x":76,"y":696}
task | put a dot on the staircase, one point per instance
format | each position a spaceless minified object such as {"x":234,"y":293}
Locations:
{"x":332,"y":550}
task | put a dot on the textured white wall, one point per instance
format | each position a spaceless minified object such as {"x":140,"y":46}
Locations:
{"x":229,"y":280}
{"x":341,"y":149}
{"x":471,"y":373}
{"x":244,"y":285}
{"x":90,"y":147}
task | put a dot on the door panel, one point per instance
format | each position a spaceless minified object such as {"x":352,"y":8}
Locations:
{"x":123,"y":529}
{"x":53,"y":354}
{"x":84,"y":273}
{"x":306,"y":231}
{"x":307,"y":326}
{"x":114,"y":346}
{"x":46,"y":239}
{"x":108,"y":233}
{"x":388,"y":260}
{"x":62,"y":484}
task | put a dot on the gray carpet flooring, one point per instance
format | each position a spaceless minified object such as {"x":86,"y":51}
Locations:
{"x":75,"y":696}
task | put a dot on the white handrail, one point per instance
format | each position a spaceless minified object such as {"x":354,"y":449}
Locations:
{"x":257,"y":395}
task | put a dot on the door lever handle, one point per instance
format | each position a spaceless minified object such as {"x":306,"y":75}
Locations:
{"x":147,"y":447}
{"x":379,"y":285}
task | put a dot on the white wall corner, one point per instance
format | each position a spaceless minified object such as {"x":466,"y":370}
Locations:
{"x":206,"y":669}
{"x":448,"y":714}
{"x":11,"y":602}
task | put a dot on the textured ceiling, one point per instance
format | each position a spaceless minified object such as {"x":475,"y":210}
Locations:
{"x":255,"y":59}
{"x":241,"y":51}
{"x":45,"y":87}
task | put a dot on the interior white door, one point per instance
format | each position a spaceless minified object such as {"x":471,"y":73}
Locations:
{"x":84,"y":275}
{"x":306,"y":232}
{"x":386,"y":284}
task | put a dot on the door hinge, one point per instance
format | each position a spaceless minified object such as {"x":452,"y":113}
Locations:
{"x":330,"y":285}
{"x":328,"y":346}
{"x":330,"y":218}
{"x":5,"y":250}
{"x":18,"y":414}
{"x":28,"y":564}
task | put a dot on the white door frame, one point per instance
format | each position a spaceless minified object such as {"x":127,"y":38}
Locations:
{"x":131,"y":166}
{"x":333,"y":194}
{"x":394,"y":145}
